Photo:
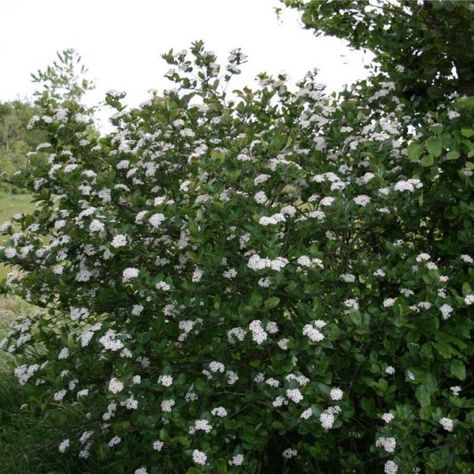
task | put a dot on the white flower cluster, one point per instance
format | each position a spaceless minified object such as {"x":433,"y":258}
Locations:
{"x":258,"y":333}
{"x":272,"y":220}
{"x":156,"y":219}
{"x":165,"y":380}
{"x":115,"y":386}
{"x":129,"y":274}
{"x":289,"y":453}
{"x":409,"y":185}
{"x":447,"y":423}
{"x":200,"y":425}
{"x":327,"y":417}
{"x":389,"y":444}
{"x":199,"y":457}
{"x":311,"y":331}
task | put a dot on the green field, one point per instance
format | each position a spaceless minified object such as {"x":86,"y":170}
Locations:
{"x":10,"y":307}
{"x":11,"y":204}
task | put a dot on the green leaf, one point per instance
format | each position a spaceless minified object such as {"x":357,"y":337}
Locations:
{"x":433,"y":145}
{"x":424,"y":391}
{"x":457,"y":369}
{"x":256,"y":299}
{"x":423,"y":395}
{"x":414,"y":151}
{"x":272,"y":302}
{"x":217,"y":154}
{"x":427,"y":160}
{"x":467,"y":132}
{"x":356,"y":317}
{"x":453,"y":155}
{"x":193,"y":470}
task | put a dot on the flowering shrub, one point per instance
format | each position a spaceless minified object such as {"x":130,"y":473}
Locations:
{"x":257,"y":282}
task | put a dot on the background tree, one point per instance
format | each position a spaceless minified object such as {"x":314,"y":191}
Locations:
{"x":65,"y":79}
{"x":16,"y":140}
{"x":425,"y":46}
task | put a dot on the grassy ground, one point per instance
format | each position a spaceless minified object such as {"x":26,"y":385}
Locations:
{"x":24,"y":431}
{"x":11,"y":204}
{"x":10,"y":307}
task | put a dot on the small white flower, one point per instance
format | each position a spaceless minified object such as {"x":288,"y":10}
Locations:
{"x":63,"y":445}
{"x":58,"y":396}
{"x":140,"y":470}
{"x":312,"y":333}
{"x":327,"y":201}
{"x":156,"y":219}
{"x":129,"y":273}
{"x":119,"y":240}
{"x":336,"y":394}
{"x":96,"y":226}
{"x":304,"y":261}
{"x":215,"y":366}
{"x":423,"y":257}
{"x":388,"y":417}
{"x":115,"y":385}
{"x":389,"y":444}
{"x":294,"y":395}
{"x":455,"y":389}
{"x":162,"y":285}
{"x":326,"y":419}
{"x":221,"y":412}
{"x":165,"y":380}
{"x":261,"y":178}
{"x":158,"y":445}
{"x":362,"y":200}
{"x":197,"y":275}
{"x":114,"y":441}
{"x":283,"y":344}
{"x":289,"y":453}
{"x":390,"y":370}
{"x":389,"y":302}
{"x":446,"y":311}
{"x":167,"y":405}
{"x":447,"y":424}
{"x":199,"y":457}
{"x":347,"y":277}
{"x":230,"y":274}
{"x":237,"y":460}
{"x":351,"y":303}
{"x":390,"y":467}
{"x":260,"y":197}
{"x":64,"y":354}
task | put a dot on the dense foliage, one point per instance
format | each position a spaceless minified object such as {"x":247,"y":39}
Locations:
{"x":16,"y":141}
{"x":64,"y":79}
{"x":425,"y":45}
{"x":264,"y":281}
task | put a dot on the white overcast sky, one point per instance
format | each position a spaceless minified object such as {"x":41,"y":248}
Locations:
{"x":121,"y":41}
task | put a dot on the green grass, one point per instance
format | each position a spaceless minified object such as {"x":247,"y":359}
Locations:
{"x":11,"y":204}
{"x":29,"y":432}
{"x":11,"y":307}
